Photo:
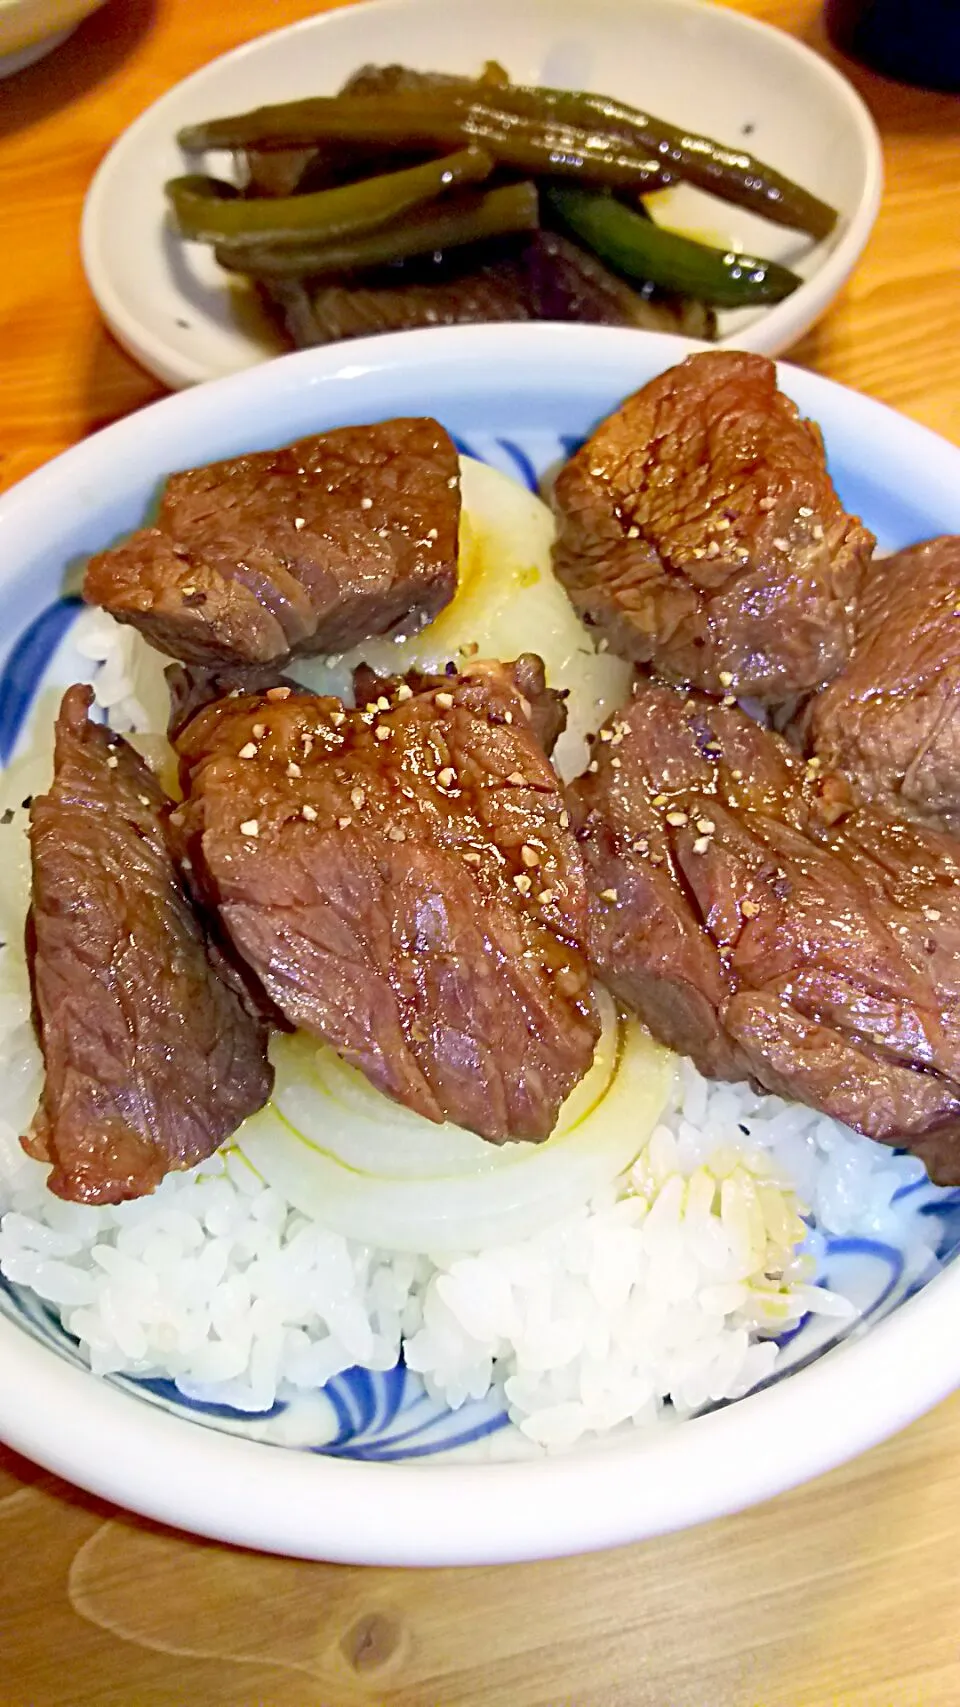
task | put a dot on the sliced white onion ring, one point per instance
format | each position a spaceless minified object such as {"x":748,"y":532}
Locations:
{"x":356,"y":1163}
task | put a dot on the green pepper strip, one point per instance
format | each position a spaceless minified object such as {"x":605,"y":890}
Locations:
{"x":440,"y":118}
{"x":643,"y":250}
{"x":206,"y":215}
{"x":468,"y":218}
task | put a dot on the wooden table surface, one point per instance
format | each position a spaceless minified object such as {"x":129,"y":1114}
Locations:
{"x":843,"y":1594}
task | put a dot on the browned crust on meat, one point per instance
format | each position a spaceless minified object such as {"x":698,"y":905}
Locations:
{"x":403,"y":880}
{"x":151,"y":1060}
{"x":309,"y":548}
{"x":891,"y":719}
{"x":699,"y":532}
{"x":763,"y":923}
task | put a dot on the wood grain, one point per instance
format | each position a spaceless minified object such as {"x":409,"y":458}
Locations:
{"x":843,"y":1594}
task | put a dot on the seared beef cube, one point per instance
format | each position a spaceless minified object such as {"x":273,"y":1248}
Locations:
{"x":646,"y":942}
{"x":544,"y":708}
{"x":192,"y":687}
{"x":403,"y":880}
{"x":151,"y":1060}
{"x":891,"y":719}
{"x":767,"y":930}
{"x":699,"y":531}
{"x":311,"y":548}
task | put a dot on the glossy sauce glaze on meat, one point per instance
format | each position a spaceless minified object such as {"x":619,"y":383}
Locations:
{"x":403,"y":881}
{"x":699,"y":532}
{"x":891,"y":719}
{"x":762,"y":925}
{"x":151,"y":1059}
{"x":310,"y":548}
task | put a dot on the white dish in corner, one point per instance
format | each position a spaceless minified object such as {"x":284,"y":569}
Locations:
{"x":30,"y":29}
{"x":741,"y":81}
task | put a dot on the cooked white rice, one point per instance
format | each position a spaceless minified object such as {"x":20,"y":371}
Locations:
{"x":669,"y":1285}
{"x":661,"y":1288}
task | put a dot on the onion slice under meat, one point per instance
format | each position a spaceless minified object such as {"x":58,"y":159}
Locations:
{"x":360,"y":1165}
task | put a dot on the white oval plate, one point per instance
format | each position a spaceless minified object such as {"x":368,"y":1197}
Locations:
{"x":700,"y":65}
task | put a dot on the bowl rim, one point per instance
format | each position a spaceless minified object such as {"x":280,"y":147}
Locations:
{"x":634,"y":1486}
{"x":773,"y":331}
{"x":302,"y":1504}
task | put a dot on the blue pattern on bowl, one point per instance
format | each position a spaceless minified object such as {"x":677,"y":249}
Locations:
{"x":388,"y":1416}
{"x":24,"y":668}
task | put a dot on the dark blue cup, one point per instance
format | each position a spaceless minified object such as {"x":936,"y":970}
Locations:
{"x":914,"y":41}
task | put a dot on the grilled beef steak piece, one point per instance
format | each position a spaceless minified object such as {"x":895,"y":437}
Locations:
{"x":151,"y":1060}
{"x":403,"y":881}
{"x":699,"y":531}
{"x":311,"y":548}
{"x":891,"y":719}
{"x":762,"y":924}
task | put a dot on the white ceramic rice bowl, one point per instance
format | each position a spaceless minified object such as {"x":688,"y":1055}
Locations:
{"x":495,"y":387}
